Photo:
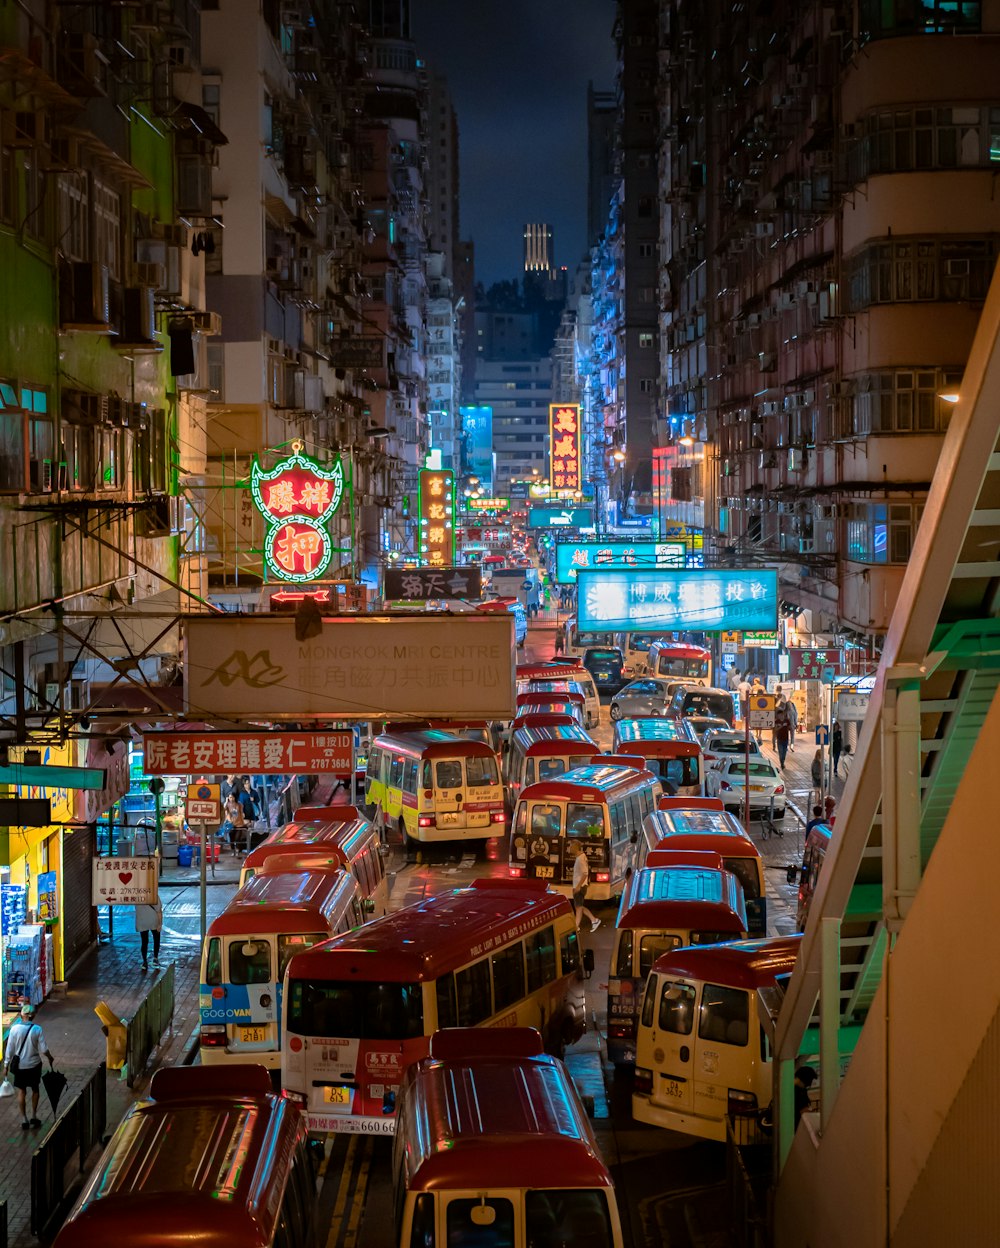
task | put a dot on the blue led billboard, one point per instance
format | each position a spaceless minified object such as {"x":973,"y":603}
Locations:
{"x":560,"y":518}
{"x":572,"y":556}
{"x":660,"y":600}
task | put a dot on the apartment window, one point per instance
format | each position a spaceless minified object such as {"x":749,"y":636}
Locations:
{"x":108,"y":228}
{"x":901,"y":401}
{"x":915,"y":270}
{"x":35,"y":223}
{"x":886,"y":19}
{"x":644,"y":207}
{"x":647,"y":294}
{"x":74,"y":215}
{"x":151,"y":452}
{"x":646,"y":341}
{"x":646,"y":385}
{"x":646,"y":251}
{"x":12,"y":459}
{"x":903,"y":139}
{"x":882,"y":532}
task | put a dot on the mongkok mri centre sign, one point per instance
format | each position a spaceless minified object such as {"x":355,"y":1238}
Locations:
{"x":660,"y":600}
{"x":297,"y":499}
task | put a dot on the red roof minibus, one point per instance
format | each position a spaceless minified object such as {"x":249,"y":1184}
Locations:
{"x":492,"y":1136}
{"x":540,"y":750}
{"x":360,"y":1009}
{"x":701,"y":1053}
{"x":209,"y":1157}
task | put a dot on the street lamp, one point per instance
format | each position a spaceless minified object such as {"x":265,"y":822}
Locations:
{"x":618,"y":455}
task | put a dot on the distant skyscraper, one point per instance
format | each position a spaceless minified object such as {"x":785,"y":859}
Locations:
{"x":602,"y":112}
{"x":538,"y":250}
{"x":442,"y":172}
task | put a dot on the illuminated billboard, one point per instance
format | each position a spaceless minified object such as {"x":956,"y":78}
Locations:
{"x":297,"y":498}
{"x":477,"y":431}
{"x":571,"y":557}
{"x":560,"y":518}
{"x":564,"y":446}
{"x":660,"y":600}
{"x":437,"y":517}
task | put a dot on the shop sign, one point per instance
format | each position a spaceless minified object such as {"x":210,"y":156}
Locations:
{"x":761,"y":640}
{"x":423,"y":584}
{"x":48,"y":908}
{"x":560,"y":518}
{"x":852,"y":706}
{"x":437,"y":516}
{"x":123,"y":881}
{"x":91,"y":805}
{"x":572,"y":556}
{"x":356,"y":667}
{"x":255,"y":753}
{"x":487,"y":504}
{"x":662,"y":600}
{"x":810,"y":664}
{"x":297,"y":498}
{"x":564,"y":446}
{"x":364,"y":351}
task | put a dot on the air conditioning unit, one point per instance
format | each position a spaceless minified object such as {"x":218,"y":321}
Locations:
{"x":770,"y":408}
{"x":763,"y":229}
{"x":40,"y":475}
{"x":753,"y":320}
{"x":786,"y":300}
{"x":207,"y":322}
{"x":150,"y":274}
{"x":160,"y":516}
{"x":138,"y":318}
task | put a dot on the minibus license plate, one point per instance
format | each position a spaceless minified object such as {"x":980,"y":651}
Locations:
{"x":447,"y":816}
{"x":253,"y":1035}
{"x":337,"y":1096}
{"x":544,"y":873}
{"x":670,"y":1087}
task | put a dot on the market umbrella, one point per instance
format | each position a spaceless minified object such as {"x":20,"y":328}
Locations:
{"x":53,"y":1081}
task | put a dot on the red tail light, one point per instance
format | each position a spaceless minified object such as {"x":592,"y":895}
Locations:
{"x":643,"y":1081}
{"x":516,"y":871}
{"x":497,"y":816}
{"x":601,"y":877}
{"x":426,"y":821}
{"x":619,"y":1031}
{"x":779,"y":789}
{"x":724,"y":784}
{"x":213,"y":1036}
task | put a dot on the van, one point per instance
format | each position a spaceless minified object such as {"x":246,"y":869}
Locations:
{"x":524,"y":584}
{"x":538,"y":676}
{"x":514,"y":608}
{"x":701,"y":700}
{"x":635,"y":648}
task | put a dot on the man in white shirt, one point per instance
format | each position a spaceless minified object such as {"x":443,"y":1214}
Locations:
{"x":26,"y":1042}
{"x":581,"y":878}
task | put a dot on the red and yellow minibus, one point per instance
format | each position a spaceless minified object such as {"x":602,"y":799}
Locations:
{"x":208,"y":1157}
{"x":690,"y":803}
{"x":672,"y":901}
{"x":361,"y":1008}
{"x":674,"y":660}
{"x":247,"y":948}
{"x":701,"y":1053}
{"x":718,"y":832}
{"x":542,"y":750}
{"x":595,"y":810}
{"x":435,"y":786}
{"x":492,"y":1138}
{"x":668,"y":752}
{"x":324,"y":845}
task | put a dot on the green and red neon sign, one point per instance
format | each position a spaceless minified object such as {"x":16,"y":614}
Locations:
{"x":297,"y":498}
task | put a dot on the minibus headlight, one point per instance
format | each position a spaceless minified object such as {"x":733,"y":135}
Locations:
{"x":643,"y":1081}
{"x":741,"y":1102}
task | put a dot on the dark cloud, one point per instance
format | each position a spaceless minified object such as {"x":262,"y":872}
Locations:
{"x":518,"y":73}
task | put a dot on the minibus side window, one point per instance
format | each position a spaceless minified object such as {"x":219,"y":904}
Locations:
{"x":745,"y":870}
{"x":422,"y":1225}
{"x":213,"y":962}
{"x":618,"y":831}
{"x":676,"y":1008}
{"x":529,"y":771}
{"x":623,"y":963}
{"x":540,"y":951}
{"x":522,"y":818}
{"x":650,"y":948}
{"x":508,"y":977}
{"x":447,"y":1010}
{"x":648,"y":999}
{"x":473,"y":989}
{"x":410,"y":776}
{"x":725,"y":1014}
{"x":569,"y":949}
{"x":396,"y":772}
{"x":426,"y":782}
{"x":635,"y":809}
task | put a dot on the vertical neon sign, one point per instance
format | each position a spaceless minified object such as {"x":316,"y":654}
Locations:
{"x":437,"y":517}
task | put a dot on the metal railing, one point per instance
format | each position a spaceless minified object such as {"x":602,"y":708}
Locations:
{"x":61,"y":1157}
{"x":148,"y":1023}
{"x":746,"y":1220}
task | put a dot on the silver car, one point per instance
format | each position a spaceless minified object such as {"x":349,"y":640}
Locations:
{"x":716,"y":746}
{"x":728,"y":779}
{"x":641,"y":698}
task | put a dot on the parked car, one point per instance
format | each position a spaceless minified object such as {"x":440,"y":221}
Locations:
{"x":727,"y":780}
{"x":702,"y":700}
{"x":718,"y":745}
{"x":697,"y":725}
{"x":641,"y":698}
{"x":607,"y":666}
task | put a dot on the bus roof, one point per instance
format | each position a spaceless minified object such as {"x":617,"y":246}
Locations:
{"x":681,"y":650}
{"x":515,"y":1120}
{"x":749,"y":964}
{"x":549,"y":670}
{"x":693,"y":819}
{"x":588,"y":783}
{"x":541,"y":738}
{"x":319,"y":837}
{"x":651,"y":729}
{"x":294,"y":901}
{"x":532,"y":696}
{"x":697,"y":898}
{"x":425,"y":940}
{"x":205,"y":1160}
{"x":432,"y":743}
{"x":690,"y":803}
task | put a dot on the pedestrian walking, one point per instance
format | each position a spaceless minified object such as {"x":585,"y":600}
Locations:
{"x":249,"y":799}
{"x":734,"y":679}
{"x":581,"y":878}
{"x":816,"y":767}
{"x":780,"y":709}
{"x":149,"y":918}
{"x":793,"y":721}
{"x":234,"y":823}
{"x":23,"y":1062}
{"x":836,"y":746}
{"x":756,"y":684}
{"x":743,"y":689}
{"x":781,"y":733}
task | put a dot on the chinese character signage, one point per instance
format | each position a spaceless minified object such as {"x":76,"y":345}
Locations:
{"x":437,"y":516}
{"x":357,"y":351}
{"x":487,"y":504}
{"x":806,"y":664}
{"x":564,"y":446}
{"x":618,"y":599}
{"x":560,"y":518}
{"x":296,"y":499}
{"x":572,"y":556}
{"x":421,"y":584}
{"x":124,"y":881}
{"x":260,"y":753}
{"x":477,"y":432}
{"x":760,"y":641}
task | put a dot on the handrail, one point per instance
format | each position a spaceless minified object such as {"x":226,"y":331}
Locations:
{"x":54,"y":1168}
{"x":148,"y":1023}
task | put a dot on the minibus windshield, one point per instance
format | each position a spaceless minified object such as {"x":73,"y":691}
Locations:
{"x":361,"y":1011}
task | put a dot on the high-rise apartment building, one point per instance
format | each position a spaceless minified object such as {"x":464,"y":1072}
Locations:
{"x":830,"y":234}
{"x":602,"y":154}
{"x":539,"y":253}
{"x":442,"y":172}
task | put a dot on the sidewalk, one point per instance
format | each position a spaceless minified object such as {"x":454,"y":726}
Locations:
{"x":112,"y":973}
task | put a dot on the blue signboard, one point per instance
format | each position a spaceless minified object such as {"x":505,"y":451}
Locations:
{"x":560,"y":518}
{"x":572,"y":556}
{"x":660,"y":600}
{"x":477,"y":429}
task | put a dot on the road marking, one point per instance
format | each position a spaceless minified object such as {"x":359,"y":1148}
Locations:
{"x":360,"y":1192}
{"x":337,"y":1217}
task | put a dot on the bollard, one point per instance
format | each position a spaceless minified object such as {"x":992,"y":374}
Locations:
{"x":116,"y":1030}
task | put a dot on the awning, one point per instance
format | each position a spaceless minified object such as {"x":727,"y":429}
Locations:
{"x":196,"y":118}
{"x":106,"y":157}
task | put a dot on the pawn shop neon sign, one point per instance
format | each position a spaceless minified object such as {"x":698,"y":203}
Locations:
{"x":297,"y":498}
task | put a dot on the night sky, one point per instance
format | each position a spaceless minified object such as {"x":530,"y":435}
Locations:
{"x":518,"y":73}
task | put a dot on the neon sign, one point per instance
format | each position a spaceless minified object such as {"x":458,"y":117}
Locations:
{"x":437,"y":516}
{"x":297,"y":498}
{"x":564,"y":446}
